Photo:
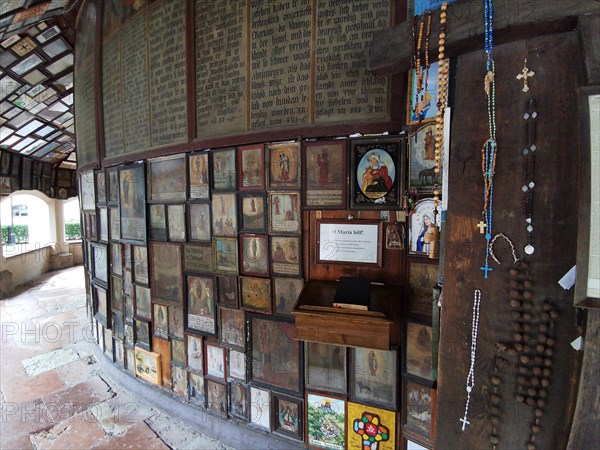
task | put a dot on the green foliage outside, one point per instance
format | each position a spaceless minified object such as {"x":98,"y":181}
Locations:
{"x":21,"y":233}
{"x":72,"y":231}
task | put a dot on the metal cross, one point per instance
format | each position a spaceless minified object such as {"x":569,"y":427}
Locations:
{"x":481,"y":225}
{"x":524,"y":75}
{"x":465,"y":422}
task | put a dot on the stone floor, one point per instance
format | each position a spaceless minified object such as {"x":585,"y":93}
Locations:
{"x":54,"y":392}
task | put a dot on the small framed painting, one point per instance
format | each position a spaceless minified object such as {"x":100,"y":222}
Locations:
{"x":142,"y":334}
{"x":325,"y":367}
{"x":285,"y":255}
{"x":216,"y":397}
{"x":140,"y":265}
{"x":260,"y":408}
{"x":366,"y":424}
{"x":373,"y":375}
{"x":148,"y":366}
{"x":199,"y":176}
{"x":422,"y":277}
{"x":239,"y":404}
{"x":143,"y":308}
{"x":284,"y":165}
{"x":178,"y":354}
{"x":166,"y":273}
{"x":103,"y":224}
{"x":418,"y":407}
{"x":326,"y":421}
{"x":422,"y":106}
{"x":224,"y":215}
{"x":116,"y":264}
{"x":254,"y":253}
{"x":226,"y":255}
{"x":419,"y":348}
{"x":284,"y":212}
{"x":215,"y":361}
{"x":114,"y":223}
{"x":176,"y":221}
{"x":288,"y":416}
{"x":251,"y":160}
{"x":224,"y":169}
{"x":179,"y":380}
{"x":201,"y":307}
{"x":324,"y":173}
{"x":227,"y":288}
{"x":237,"y":368}
{"x":101,"y":305}
{"x":256,"y":294}
{"x":87,"y":191}
{"x":420,"y":223}
{"x":160,"y":320}
{"x":198,"y":258}
{"x":253,"y":215}
{"x":232,"y":329}
{"x":112,"y":186}
{"x":100,"y":267}
{"x":116,"y":293}
{"x":421,"y":161}
{"x":158,"y":222}
{"x":176,"y":322}
{"x":196,"y":389}
{"x":100,"y":177}
{"x":286,"y":292}
{"x":132,"y":203}
{"x":167,"y":179}
{"x":195,"y":353}
{"x":376,"y":176}
{"x":199,"y":222}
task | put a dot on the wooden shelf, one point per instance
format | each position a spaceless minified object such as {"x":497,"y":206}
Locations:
{"x":318,"y":321}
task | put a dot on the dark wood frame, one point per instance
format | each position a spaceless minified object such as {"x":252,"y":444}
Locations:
{"x":581,"y":297}
{"x":342,"y":169}
{"x":246,"y":389}
{"x":170,"y":216}
{"x":141,"y":344}
{"x":125,"y":236}
{"x":242,"y":333}
{"x":260,"y":163}
{"x":274,"y":381}
{"x":205,"y":247}
{"x":410,"y":304}
{"x":395,"y":147}
{"x":181,"y":364}
{"x":276,"y":398}
{"x":264,"y":258}
{"x":200,"y":187}
{"x":173,"y":197}
{"x":176,"y":327}
{"x":189,"y":336}
{"x":113,"y":262}
{"x":307,"y":411}
{"x":194,"y":205}
{"x":405,"y":407}
{"x":234,"y":244}
{"x":393,"y":404}
{"x":277,"y":265}
{"x":100,"y":188}
{"x":155,"y":321}
{"x":253,"y":406}
{"x":154,"y":232}
{"x":137,"y":296}
{"x":271,"y":204}
{"x":114,"y":223}
{"x":416,"y":139}
{"x":223,"y":350}
{"x":351,"y":223}
{"x":112,"y":186}
{"x":193,"y":399}
{"x":340,"y":390}
{"x":212,"y":303}
{"x":246,"y":377}
{"x":95,"y":279}
{"x":175,"y":367}
{"x":139,"y":279}
{"x":234,"y":216}
{"x":276,"y":310}
{"x":408,"y":351}
{"x":249,"y":194}
{"x":265,"y":281}
{"x":153,"y":268}
{"x":214,"y":156}
{"x":221,"y":293}
{"x":101,"y":318}
{"x":103,"y":225}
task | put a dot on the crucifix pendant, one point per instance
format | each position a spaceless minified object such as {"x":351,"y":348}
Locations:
{"x":524,"y":75}
{"x":481,"y":225}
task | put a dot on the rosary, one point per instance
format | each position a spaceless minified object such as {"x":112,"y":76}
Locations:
{"x":421,"y":72}
{"x":529,"y":148}
{"x":490,"y":147}
{"x":471,"y":375}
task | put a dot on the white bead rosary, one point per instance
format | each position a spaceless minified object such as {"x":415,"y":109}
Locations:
{"x":471,"y":375}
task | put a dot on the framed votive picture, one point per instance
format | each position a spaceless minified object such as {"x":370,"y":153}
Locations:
{"x":166,"y":272}
{"x":373,"y":376}
{"x":419,"y":347}
{"x":288,"y":415}
{"x":254,"y":254}
{"x":224,"y":169}
{"x":367,"y":425}
{"x":148,"y":366}
{"x":239,"y":397}
{"x":199,"y":176}
{"x":284,"y":165}
{"x":326,"y":421}
{"x":201,"y":306}
{"x":251,"y":160}
{"x":195,"y":353}
{"x":167,"y":180}
{"x":324,"y":172}
{"x":284,"y":212}
{"x":260,"y":408}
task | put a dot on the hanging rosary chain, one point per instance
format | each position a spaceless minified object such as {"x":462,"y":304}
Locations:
{"x":529,"y":161}
{"x":421,"y":71}
{"x":471,"y":375}
{"x":443,"y":75}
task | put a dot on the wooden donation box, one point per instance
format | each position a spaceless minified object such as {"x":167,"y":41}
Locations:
{"x":317,"y":320}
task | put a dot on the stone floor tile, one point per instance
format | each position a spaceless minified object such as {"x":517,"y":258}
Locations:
{"x":49,"y":361}
{"x":78,"y":371}
{"x":30,"y":388}
{"x":20,"y":419}
{"x":120,"y":413}
{"x":78,"y":432}
{"x":16,"y":442}
{"x":139,"y":436}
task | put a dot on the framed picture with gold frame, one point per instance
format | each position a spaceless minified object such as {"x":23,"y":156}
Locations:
{"x":199,"y":175}
{"x":284,"y":165}
{"x":201,"y":312}
{"x":252,"y":211}
{"x":255,"y":294}
{"x":251,"y":171}
{"x":254,"y":255}
{"x":148,"y":366}
{"x":284,"y":212}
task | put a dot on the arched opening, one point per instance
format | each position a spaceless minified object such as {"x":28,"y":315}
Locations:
{"x":25,"y":222}
{"x":71,"y":219}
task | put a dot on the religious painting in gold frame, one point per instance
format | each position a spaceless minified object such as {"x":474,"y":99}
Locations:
{"x":421,"y":160}
{"x":324,"y":172}
{"x":284,"y":165}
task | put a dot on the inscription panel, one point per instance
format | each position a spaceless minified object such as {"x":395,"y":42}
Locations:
{"x":168,"y":89}
{"x":136,"y":112}
{"x":221,"y":95}
{"x":112,"y":100}
{"x":343,"y":88}
{"x":280,"y":63}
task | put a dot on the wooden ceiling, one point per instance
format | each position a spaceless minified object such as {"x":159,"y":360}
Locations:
{"x":36,"y":80}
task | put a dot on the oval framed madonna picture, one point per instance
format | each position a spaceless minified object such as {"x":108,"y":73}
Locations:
{"x":376,"y":175}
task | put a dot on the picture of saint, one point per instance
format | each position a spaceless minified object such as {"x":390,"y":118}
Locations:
{"x":284,"y":166}
{"x":200,"y":297}
{"x":420,"y":226}
{"x":323,"y":165}
{"x":422,"y":175}
{"x":376,"y":179}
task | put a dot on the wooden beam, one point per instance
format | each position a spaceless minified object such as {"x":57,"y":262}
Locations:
{"x":589,"y":30}
{"x":513,"y":20}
